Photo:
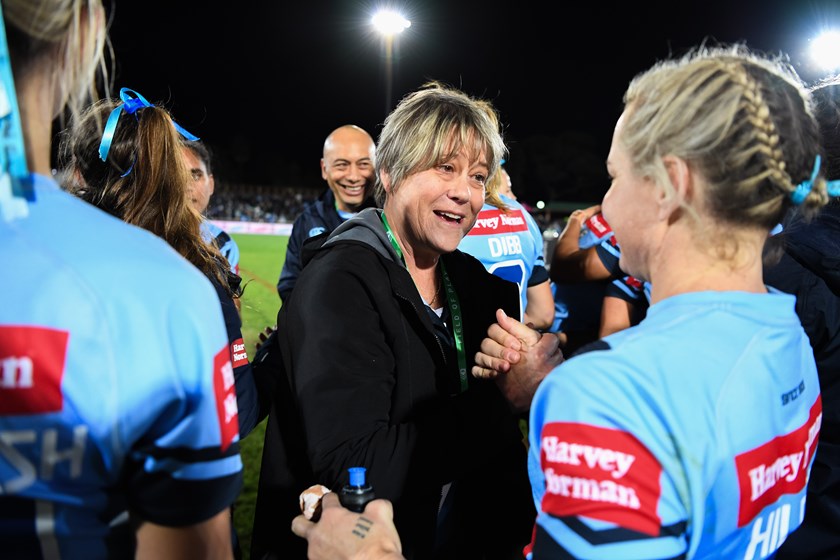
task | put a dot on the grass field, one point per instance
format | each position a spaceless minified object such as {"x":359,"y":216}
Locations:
{"x":260,"y":261}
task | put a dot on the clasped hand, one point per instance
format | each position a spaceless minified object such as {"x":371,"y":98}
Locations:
{"x":518,"y":358}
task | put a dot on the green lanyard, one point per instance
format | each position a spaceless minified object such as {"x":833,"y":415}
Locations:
{"x":451,"y":300}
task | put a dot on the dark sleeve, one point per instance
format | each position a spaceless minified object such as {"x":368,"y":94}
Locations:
{"x":608,"y":251}
{"x":246,"y":390}
{"x":292,"y":265}
{"x":538,"y":275}
{"x":267,"y":367}
{"x":625,"y":288}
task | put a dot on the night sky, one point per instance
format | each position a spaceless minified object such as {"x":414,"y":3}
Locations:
{"x":264,"y":81}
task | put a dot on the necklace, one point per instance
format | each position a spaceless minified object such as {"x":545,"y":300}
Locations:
{"x":436,"y":296}
{"x":452,"y":301}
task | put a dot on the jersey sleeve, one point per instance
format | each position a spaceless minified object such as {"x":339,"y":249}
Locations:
{"x":609,"y":252}
{"x":243,"y":374}
{"x":184,"y":466}
{"x":626,"y":288}
{"x":231,"y":252}
{"x":539,"y":273}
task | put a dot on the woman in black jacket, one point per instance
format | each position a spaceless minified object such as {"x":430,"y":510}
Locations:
{"x":377,"y":344}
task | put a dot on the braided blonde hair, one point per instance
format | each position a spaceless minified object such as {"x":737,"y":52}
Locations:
{"x":740,"y":119}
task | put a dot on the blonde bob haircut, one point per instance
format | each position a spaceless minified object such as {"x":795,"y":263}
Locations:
{"x":430,"y":126}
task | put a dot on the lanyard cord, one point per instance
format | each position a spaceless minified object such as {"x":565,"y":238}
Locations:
{"x":452,"y":301}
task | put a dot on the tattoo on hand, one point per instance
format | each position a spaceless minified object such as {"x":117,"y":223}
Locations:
{"x":363,"y":526}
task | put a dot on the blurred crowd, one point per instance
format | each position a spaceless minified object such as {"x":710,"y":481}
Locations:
{"x":259,"y":203}
{"x":242,"y":202}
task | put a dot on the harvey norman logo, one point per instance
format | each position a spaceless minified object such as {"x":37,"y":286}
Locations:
{"x":598,"y":225}
{"x":238,"y":354}
{"x":32,"y":361}
{"x":493,"y":221}
{"x":778,"y":467}
{"x":587,"y":465}
{"x":226,"y":407}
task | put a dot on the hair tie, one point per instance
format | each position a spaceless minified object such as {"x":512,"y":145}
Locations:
{"x":130,"y":105}
{"x":800,"y":193}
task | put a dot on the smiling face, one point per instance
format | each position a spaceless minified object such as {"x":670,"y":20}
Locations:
{"x":347,"y":166}
{"x":432,"y":210}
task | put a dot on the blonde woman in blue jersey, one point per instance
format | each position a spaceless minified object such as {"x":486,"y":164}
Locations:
{"x":691,"y":434}
{"x":117,"y":394}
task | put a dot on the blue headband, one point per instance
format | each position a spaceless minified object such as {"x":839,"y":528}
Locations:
{"x":800,"y":193}
{"x":130,"y":105}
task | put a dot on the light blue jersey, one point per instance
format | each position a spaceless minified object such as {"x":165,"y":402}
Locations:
{"x":117,"y":391}
{"x":510,"y":245}
{"x":690,"y":435}
{"x":226,"y":244}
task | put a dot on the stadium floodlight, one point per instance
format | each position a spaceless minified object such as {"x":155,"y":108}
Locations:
{"x":389,"y":24}
{"x":825,"y":51}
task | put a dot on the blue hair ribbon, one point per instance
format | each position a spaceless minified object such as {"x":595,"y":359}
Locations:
{"x":130,"y":105}
{"x":802,"y":190}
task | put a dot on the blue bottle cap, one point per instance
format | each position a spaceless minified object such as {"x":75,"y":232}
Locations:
{"x":357,"y":476}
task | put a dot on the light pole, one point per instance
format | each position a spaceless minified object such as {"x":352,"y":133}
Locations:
{"x":389,"y":23}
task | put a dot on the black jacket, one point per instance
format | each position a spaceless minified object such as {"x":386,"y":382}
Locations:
{"x":370,"y":384}
{"x":810,"y":269}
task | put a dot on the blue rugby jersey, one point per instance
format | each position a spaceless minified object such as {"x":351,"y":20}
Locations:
{"x":510,"y":245}
{"x":597,"y":233}
{"x":226,"y":244}
{"x":622,"y":286}
{"x":690,"y":435}
{"x":117,"y":390}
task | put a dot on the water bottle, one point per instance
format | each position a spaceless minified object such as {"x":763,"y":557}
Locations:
{"x":355,"y":495}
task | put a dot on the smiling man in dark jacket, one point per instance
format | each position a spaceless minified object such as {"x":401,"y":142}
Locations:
{"x":347,"y":167}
